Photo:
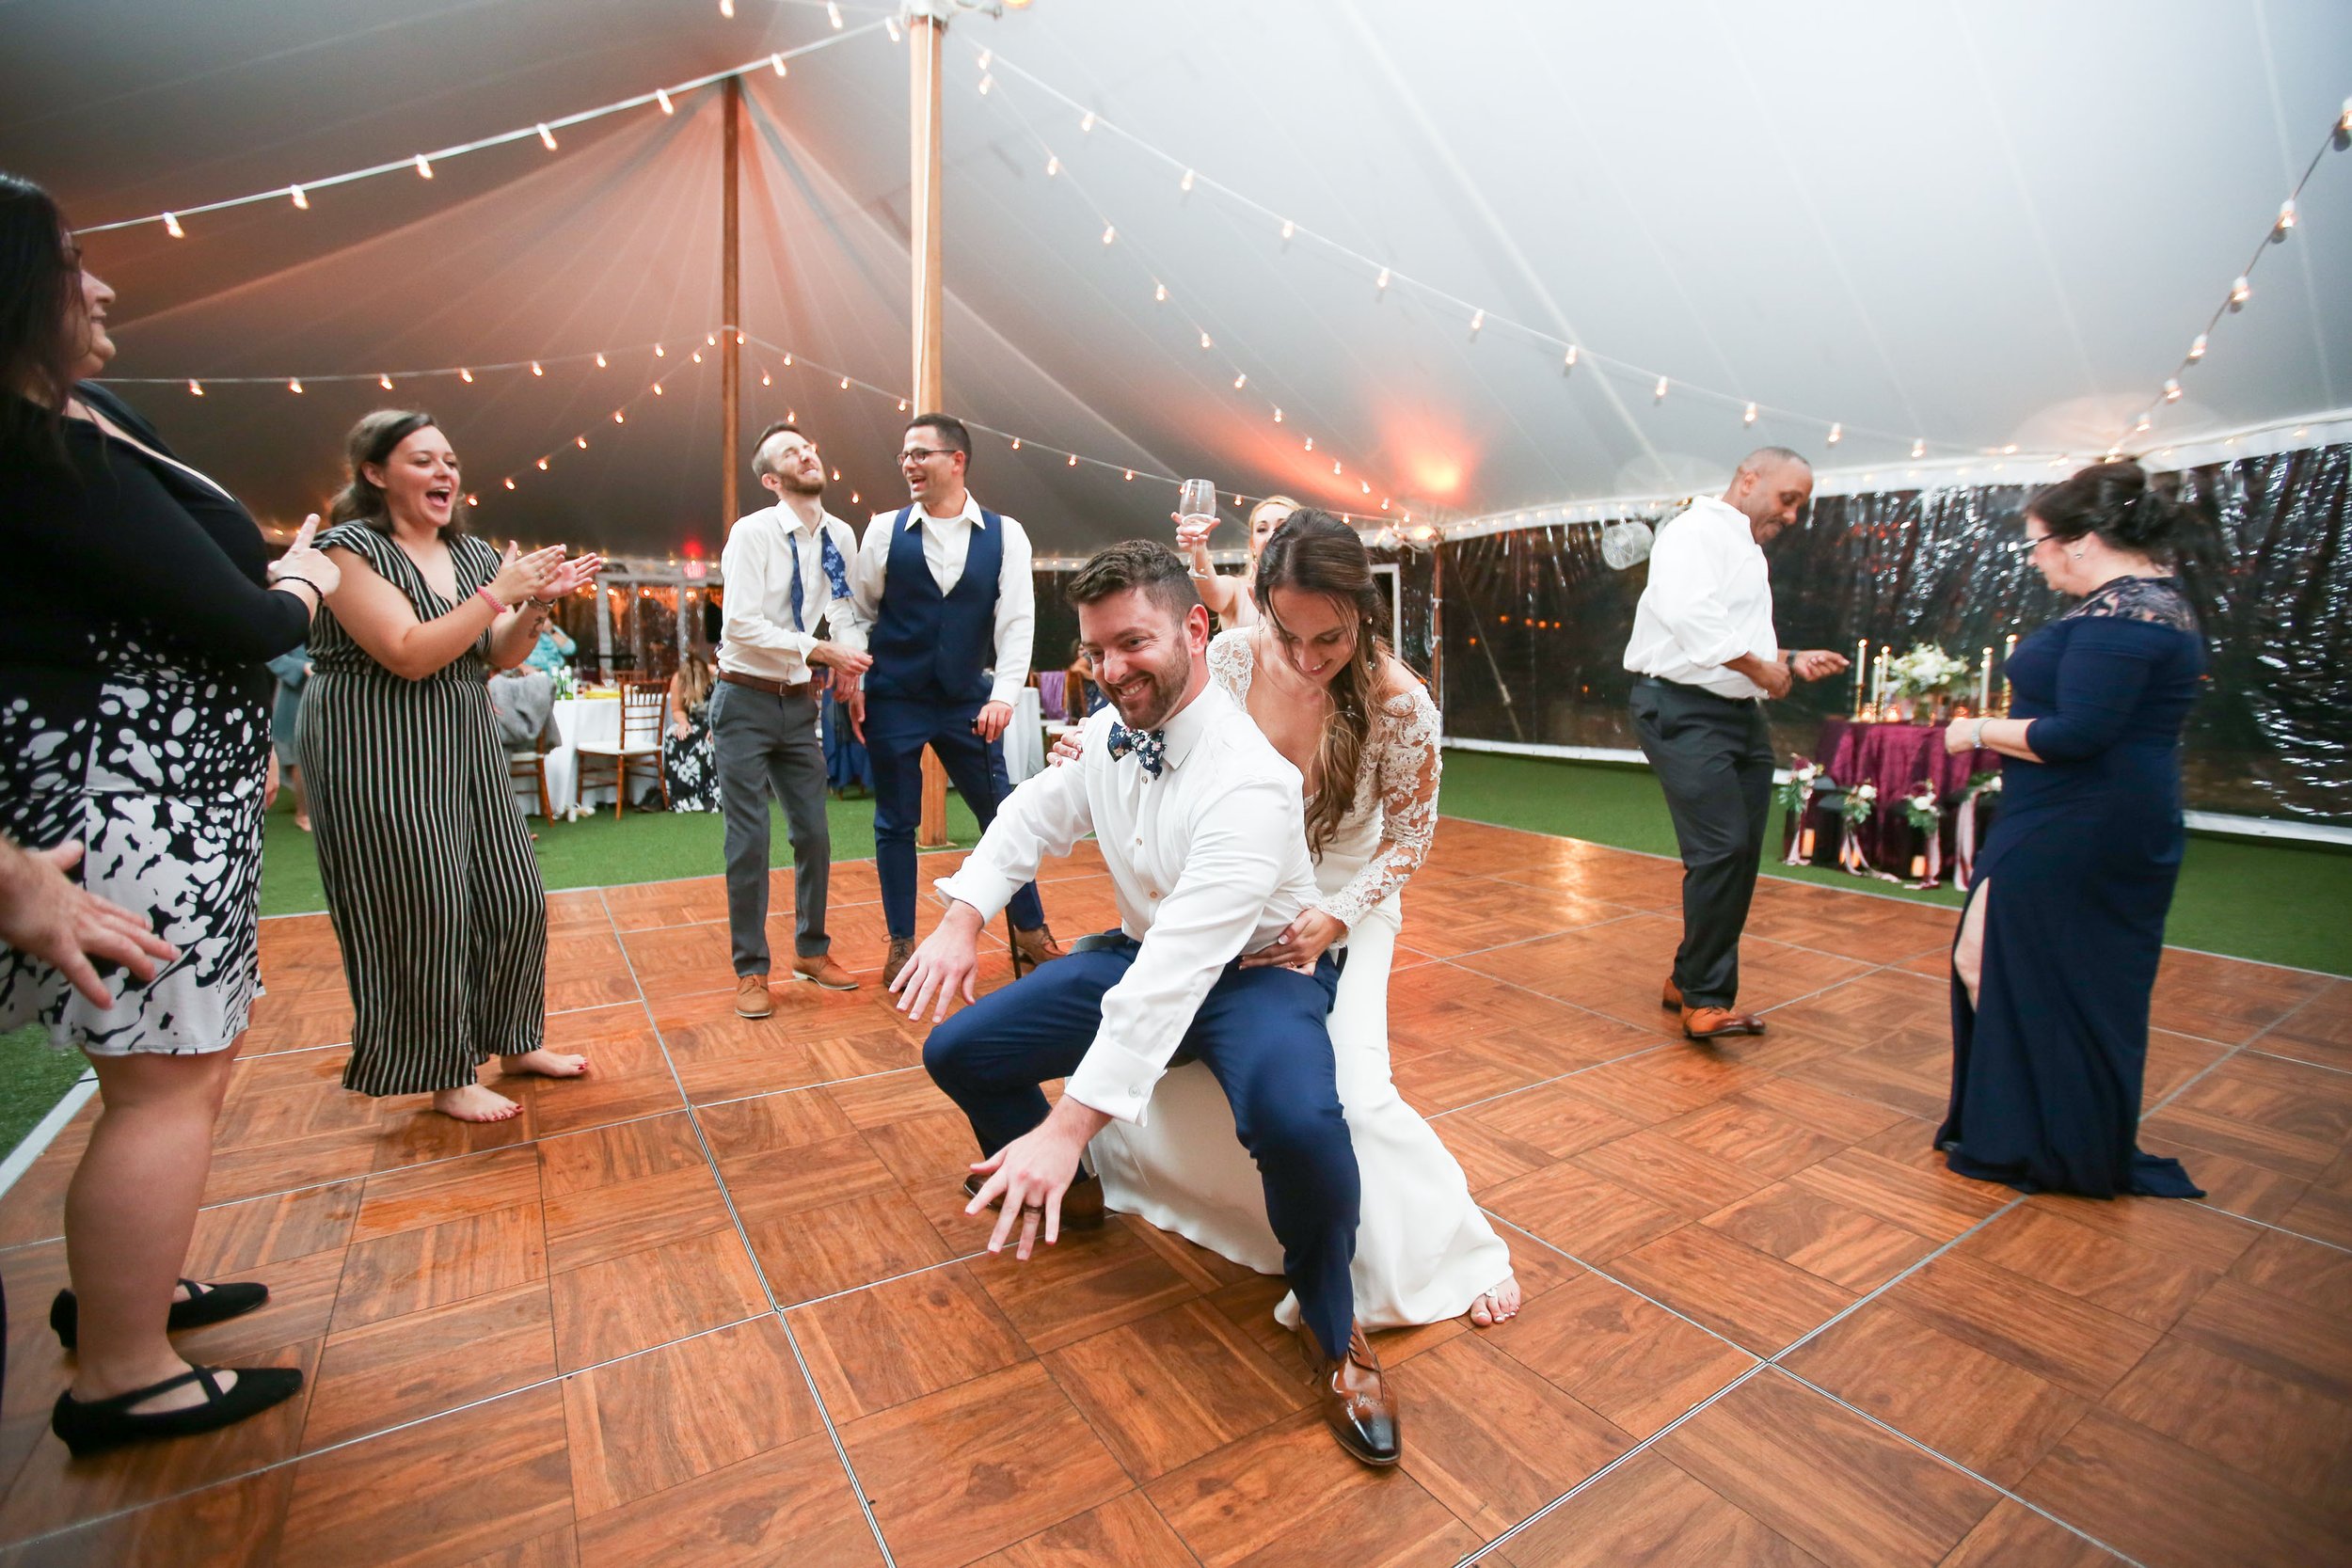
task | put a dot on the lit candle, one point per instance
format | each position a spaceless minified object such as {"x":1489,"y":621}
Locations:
{"x":1805,"y":846}
{"x":1984,"y":683}
{"x":1861,"y":667}
{"x":2008,"y":651}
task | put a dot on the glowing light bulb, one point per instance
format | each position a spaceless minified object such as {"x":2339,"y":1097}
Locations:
{"x":767,"y":380}
{"x":1074,"y":461}
{"x":1749,"y":417}
{"x":1159,"y":293}
{"x":1204,"y":340}
{"x":1110,"y":233}
{"x":787,"y":362}
{"x":890,"y":26}
{"x":710,"y":340}
{"x":619,"y":418}
{"x":1131,"y":475}
{"x":2171,"y":391}
{"x":547,"y":137}
{"x":1335,"y":466}
{"x":1659,"y":394}
{"x":902,"y":405}
{"x":1918,"y":449}
{"x":195,"y":388}
{"x":1278,"y":416}
{"x":832,"y":14}
{"x":1053,"y":166}
{"x":1380,"y":284}
{"x":1310,"y":443}
{"x":2144,"y":421}
{"x":599,"y":359}
{"x":1367,"y":484}
{"x":661,"y":96}
{"x":424,"y":166}
{"x":1185,"y":183}
{"x":2286,"y":214}
{"x":580,"y":441}
{"x":727,"y":8}
{"x":2197,"y":349}
{"x":660,"y":353}
{"x":300,"y":199}
{"x":1478,"y":320}
{"x":465,"y":375}
{"x":657,"y":388}
{"x":776,"y":61}
{"x":510,"y":484}
{"x":1568,"y":363}
{"x":1240,"y":381}
{"x":171,"y":226}
{"x":845,"y":383}
{"x":987,"y":57}
{"x":741,"y":339}
{"x":1016,"y":443}
{"x":473,"y":500}
{"x":535,"y":369}
{"x":1289,"y":228}
{"x":986,"y":83}
{"x":1087,"y":124}
{"x":543,"y":465}
{"x":696,"y":356}
{"x":836,"y":473}
{"x":385,"y":382}
{"x":1836,"y":434}
{"x":2240,"y":291}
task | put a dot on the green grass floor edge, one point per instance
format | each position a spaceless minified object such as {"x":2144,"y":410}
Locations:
{"x":2257,"y":899}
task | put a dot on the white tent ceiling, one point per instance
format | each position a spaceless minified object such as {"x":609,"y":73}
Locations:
{"x":1968,"y":223}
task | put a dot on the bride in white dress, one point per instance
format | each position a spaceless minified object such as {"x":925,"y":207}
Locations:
{"x":1318,"y":680}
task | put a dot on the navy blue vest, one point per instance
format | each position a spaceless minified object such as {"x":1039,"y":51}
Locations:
{"x":932,"y":645}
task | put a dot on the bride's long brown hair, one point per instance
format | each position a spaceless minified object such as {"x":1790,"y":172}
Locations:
{"x":1314,"y":552}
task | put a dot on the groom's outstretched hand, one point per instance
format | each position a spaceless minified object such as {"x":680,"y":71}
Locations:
{"x":943,"y":965}
{"x":1032,"y":1172}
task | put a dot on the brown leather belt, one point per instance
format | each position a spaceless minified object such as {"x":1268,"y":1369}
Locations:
{"x":773,"y":688}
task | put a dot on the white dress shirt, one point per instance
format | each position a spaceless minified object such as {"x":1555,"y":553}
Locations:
{"x":756,"y":636}
{"x":946,"y":543}
{"x":1207,"y":861}
{"x":1710,"y":600}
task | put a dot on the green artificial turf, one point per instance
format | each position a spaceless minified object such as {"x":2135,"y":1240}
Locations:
{"x":33,"y":1078}
{"x":2251,"y":898}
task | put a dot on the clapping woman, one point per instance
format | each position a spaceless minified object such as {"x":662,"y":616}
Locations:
{"x":135,"y":613}
{"x":426,"y":863}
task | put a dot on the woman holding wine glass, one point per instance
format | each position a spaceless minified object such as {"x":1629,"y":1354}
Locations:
{"x":1232,"y":600}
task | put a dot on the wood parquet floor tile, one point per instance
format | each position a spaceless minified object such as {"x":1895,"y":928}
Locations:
{"x":556,"y":1342}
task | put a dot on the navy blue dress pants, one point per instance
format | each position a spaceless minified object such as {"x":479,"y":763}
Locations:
{"x":896,"y":730}
{"x":1261,"y":1031}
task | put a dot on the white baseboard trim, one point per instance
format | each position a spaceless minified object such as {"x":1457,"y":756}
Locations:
{"x":2203,"y":821}
{"x":46,"y":1133}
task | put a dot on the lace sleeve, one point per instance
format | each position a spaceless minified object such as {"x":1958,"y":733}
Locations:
{"x":1230,"y":664}
{"x":1403,"y":767}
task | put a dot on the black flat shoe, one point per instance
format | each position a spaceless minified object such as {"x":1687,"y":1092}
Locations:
{"x":101,"y":1424}
{"x":206,"y":1303}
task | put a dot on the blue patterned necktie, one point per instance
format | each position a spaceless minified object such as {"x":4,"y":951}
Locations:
{"x":835,"y":574}
{"x":1149,"y":745}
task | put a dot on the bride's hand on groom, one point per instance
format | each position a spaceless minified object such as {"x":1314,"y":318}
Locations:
{"x":945,"y":963}
{"x":1300,"y":944}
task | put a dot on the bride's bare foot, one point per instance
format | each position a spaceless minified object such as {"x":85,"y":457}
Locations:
{"x":1497,"y":1306}
{"x":545,"y":1063}
{"x":474,"y":1104}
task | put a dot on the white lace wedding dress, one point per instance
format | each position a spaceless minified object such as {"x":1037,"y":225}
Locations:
{"x":1423,"y":1252}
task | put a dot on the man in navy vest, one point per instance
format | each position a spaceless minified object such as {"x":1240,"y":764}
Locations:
{"x":944,"y":585}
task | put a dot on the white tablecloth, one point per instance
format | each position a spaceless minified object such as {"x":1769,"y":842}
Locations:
{"x":579,"y":719}
{"x":1024,"y":737}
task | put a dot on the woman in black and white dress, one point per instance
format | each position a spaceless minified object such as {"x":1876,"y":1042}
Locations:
{"x":427,"y":863}
{"x":134,"y":617}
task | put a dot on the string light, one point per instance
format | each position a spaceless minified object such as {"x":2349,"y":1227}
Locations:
{"x":510,"y":484}
{"x":787,"y":362}
{"x":1074,"y":461}
{"x":1478,"y":320}
{"x":619,"y":418}
{"x":986,"y":83}
{"x":987,"y":57}
{"x":1289,"y":228}
{"x":1016,"y":443}
{"x":890,"y":26}
{"x":767,"y":380}
{"x":902,"y":405}
{"x":1310,"y":443}
{"x":2240,"y":291}
{"x":1053,"y":166}
{"x":1749,"y":417}
{"x":1205,"y":341}
{"x":466,"y":376}
{"x":535,"y":369}
{"x":580,"y":441}
{"x":832,"y":14}
{"x":661,"y":96}
{"x":547,"y":137}
{"x":727,"y":8}
{"x":2286,"y":219}
{"x":1109,"y":234}
{"x":657,"y":388}
{"x":696,"y":356}
{"x":195,"y":388}
{"x":1278,"y":416}
{"x":845,"y":383}
{"x":777,"y":61}
{"x":1185,"y":183}
{"x":1568,"y":363}
{"x":1159,"y":293}
{"x":2197,"y":349}
{"x":1380,"y":284}
{"x":2171,"y":391}
{"x":1836,"y":434}
{"x":171,"y":226}
{"x":543,"y":465}
{"x":1659,"y":395}
{"x":660,"y":353}
{"x":424,"y":166}
{"x":1918,"y":449}
{"x":1087,"y":124}
{"x":1240,"y":381}
{"x":300,"y":200}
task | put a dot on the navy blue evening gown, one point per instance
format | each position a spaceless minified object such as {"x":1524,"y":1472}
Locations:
{"x":2080,"y":867}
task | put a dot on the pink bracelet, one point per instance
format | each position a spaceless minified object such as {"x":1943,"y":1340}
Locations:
{"x":484,"y":592}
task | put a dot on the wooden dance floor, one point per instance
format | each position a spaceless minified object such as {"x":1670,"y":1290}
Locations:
{"x":717,"y":1306}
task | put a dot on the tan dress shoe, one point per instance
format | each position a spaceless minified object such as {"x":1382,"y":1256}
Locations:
{"x":901,"y":949}
{"x":750,"y":996}
{"x":1710,"y":1023}
{"x":1672,"y":1000}
{"x":1364,"y":1418}
{"x":1032,"y":949}
{"x":1081,"y":1201}
{"x":824,"y":972}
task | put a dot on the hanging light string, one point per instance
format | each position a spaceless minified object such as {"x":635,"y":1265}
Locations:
{"x":1195,"y":329}
{"x":388,"y":380}
{"x":672,"y":365}
{"x":1477,"y":318}
{"x":2339,"y":136}
{"x":421,"y":164}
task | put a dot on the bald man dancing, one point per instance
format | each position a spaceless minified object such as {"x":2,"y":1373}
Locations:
{"x":1705,"y":650}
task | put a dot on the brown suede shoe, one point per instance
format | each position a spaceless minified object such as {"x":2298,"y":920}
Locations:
{"x":824,"y":972}
{"x":1709,"y":1023}
{"x":1081,"y":1202}
{"x":901,"y":949}
{"x":1672,"y":1000}
{"x":1364,"y":1420}
{"x":750,"y":996}
{"x":1032,"y":949}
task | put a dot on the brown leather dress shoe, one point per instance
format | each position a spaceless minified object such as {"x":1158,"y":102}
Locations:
{"x":1672,"y":1000}
{"x":1032,"y":949}
{"x":901,"y":949}
{"x":750,"y":996}
{"x":1709,"y":1023}
{"x":1081,"y":1202}
{"x":824,"y":972}
{"x":1365,"y":1419}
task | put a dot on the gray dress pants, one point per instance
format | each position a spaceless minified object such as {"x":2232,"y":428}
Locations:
{"x":768,"y":744}
{"x":1713,"y":756}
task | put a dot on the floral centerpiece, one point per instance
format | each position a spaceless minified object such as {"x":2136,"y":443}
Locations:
{"x":1926,"y":671}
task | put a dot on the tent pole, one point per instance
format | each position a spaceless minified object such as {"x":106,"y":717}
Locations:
{"x":923,"y":35}
{"x":730,"y":304}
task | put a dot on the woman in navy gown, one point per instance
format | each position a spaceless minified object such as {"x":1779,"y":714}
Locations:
{"x":2057,"y":948}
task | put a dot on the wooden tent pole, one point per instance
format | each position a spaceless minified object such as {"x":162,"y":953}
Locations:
{"x":925,"y":35}
{"x":730,"y":305}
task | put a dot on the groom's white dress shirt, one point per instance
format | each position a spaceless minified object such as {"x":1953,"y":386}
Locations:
{"x":1207,"y":861}
{"x":1709,"y":600}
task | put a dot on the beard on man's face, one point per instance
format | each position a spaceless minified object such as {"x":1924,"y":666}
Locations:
{"x":1150,"y":693}
{"x":793,"y":484}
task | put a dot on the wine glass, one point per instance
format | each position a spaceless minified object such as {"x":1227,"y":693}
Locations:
{"x":1195,"y":507}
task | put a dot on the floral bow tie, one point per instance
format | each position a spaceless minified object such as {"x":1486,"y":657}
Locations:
{"x":1149,"y":745}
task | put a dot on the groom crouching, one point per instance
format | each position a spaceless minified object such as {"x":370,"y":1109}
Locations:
{"x":1199,"y":821}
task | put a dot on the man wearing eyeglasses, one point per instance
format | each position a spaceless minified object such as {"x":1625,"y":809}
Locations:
{"x":1707,"y":657}
{"x":785,"y":569}
{"x":944,"y":584}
